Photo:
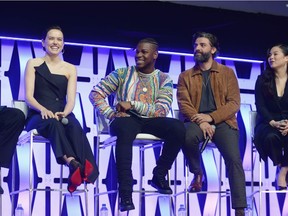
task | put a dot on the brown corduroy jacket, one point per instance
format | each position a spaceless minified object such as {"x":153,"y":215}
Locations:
{"x":225,"y":89}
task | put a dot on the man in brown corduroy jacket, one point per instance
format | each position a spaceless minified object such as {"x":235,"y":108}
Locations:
{"x":209,"y":97}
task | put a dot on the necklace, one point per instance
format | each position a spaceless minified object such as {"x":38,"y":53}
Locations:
{"x":144,"y":89}
{"x":203,"y":79}
{"x":206,"y":83}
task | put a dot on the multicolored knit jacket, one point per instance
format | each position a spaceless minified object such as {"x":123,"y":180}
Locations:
{"x":152,"y":93}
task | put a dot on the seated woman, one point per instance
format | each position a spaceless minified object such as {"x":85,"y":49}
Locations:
{"x":271,"y":97}
{"x":50,"y":93}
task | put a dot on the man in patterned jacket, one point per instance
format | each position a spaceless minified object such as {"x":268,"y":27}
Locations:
{"x":143,"y":98}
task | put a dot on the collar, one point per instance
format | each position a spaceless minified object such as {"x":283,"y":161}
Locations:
{"x":214,"y":68}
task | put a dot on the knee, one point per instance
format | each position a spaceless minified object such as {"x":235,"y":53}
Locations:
{"x":20,"y":116}
{"x":271,"y":137}
{"x":17,"y":116}
{"x":121,"y":127}
{"x":21,"y":120}
{"x":118,"y":131}
{"x":53,"y":123}
{"x":233,"y":160}
{"x":74,"y":126}
{"x":178,"y":130}
{"x":191,"y":139}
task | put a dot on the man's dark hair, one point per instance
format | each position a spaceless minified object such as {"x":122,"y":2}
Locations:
{"x":212,"y":38}
{"x":151,"y":41}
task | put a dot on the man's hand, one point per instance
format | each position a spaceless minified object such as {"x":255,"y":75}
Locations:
{"x":123,"y":106}
{"x":207,"y":129}
{"x":121,"y":114}
{"x":200,"y":118}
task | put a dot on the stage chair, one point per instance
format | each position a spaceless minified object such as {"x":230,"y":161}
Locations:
{"x":143,"y":141}
{"x":253,"y":117}
{"x":32,"y":137}
{"x":209,"y":151}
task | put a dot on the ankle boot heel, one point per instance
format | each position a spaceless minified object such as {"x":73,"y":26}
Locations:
{"x":71,"y":188}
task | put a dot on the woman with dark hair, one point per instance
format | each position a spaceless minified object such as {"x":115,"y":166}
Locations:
{"x":50,"y":85}
{"x":271,"y":98}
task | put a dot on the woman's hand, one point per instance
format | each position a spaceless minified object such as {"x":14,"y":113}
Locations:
{"x":283,"y":128}
{"x":284,"y":132}
{"x":59,"y":115}
{"x":45,"y":113}
{"x":278,"y":124}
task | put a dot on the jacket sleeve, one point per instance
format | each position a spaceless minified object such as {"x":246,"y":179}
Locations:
{"x":231,"y":100}
{"x":184,"y":101}
{"x":101,"y":91}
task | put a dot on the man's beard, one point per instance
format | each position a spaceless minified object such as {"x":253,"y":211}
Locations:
{"x":202,"y":58}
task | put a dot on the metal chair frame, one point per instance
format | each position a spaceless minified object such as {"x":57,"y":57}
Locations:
{"x":210,"y":147}
{"x":143,"y":140}
{"x":253,"y":116}
{"x":1,"y":194}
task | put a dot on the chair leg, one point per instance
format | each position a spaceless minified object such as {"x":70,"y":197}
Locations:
{"x":61,"y":188}
{"x":252,"y":177}
{"x":31,"y":176}
{"x":13,"y":181}
{"x":252,"y":170}
{"x":175,"y":184}
{"x":260,"y":187}
{"x":86,"y":198}
{"x":219,"y":179}
{"x":141,"y":167}
{"x":186,"y":194}
{"x":96,"y":198}
{"x":0,"y":195}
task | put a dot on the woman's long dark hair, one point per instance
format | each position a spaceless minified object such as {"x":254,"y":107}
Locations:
{"x":269,"y":73}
